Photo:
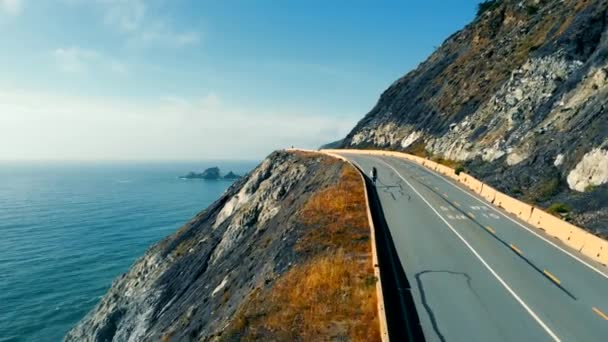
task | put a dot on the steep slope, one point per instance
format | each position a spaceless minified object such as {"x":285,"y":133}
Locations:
{"x":284,"y":253}
{"x":519,"y":98}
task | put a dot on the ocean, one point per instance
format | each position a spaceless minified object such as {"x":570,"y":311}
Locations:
{"x":68,"y":229}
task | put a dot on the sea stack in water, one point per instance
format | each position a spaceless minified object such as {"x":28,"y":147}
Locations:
{"x":231,"y":175}
{"x":212,"y":173}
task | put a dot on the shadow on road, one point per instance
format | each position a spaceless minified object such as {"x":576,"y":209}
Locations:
{"x":402,"y":318}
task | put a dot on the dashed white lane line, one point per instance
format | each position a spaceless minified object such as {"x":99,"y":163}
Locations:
{"x":521,"y":225}
{"x":483,"y":262}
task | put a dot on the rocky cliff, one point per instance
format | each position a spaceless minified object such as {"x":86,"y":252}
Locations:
{"x":519,"y":97}
{"x":284,"y":254}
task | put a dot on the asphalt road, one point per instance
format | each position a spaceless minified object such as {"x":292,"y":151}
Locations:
{"x":479,"y":274}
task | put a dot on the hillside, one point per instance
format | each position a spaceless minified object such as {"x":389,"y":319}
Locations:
{"x":284,"y":254}
{"x":519,"y":98}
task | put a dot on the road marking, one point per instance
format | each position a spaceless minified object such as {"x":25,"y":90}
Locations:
{"x":521,"y":225}
{"x":471,"y":214}
{"x":600,"y":313}
{"x":491,"y":230}
{"x":483,"y":262}
{"x":552,"y":277}
{"x":513,"y":247}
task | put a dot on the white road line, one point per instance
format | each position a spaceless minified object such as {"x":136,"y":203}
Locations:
{"x":521,"y":225}
{"x":502,"y":282}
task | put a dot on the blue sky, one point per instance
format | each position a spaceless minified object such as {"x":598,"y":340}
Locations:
{"x":177,"y":79}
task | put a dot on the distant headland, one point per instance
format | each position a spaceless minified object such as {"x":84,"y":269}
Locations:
{"x":212,"y":173}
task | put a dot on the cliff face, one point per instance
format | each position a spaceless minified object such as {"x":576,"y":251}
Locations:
{"x":519,"y":97}
{"x":253,"y":264}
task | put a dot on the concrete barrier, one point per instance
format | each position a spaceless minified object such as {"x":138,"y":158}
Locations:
{"x":470,"y":181}
{"x":576,"y":239}
{"x":488,"y":193}
{"x":444,"y":170}
{"x":596,"y":248}
{"x":548,"y":224}
{"x":513,"y":206}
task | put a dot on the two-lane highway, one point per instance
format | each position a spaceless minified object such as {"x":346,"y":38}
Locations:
{"x":479,"y":274}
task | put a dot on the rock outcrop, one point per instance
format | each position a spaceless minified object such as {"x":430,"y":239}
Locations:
{"x":227,"y":274}
{"x":212,"y":173}
{"x":519,"y":97}
{"x":231,"y":175}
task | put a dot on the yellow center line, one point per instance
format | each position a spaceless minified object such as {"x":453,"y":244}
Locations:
{"x":552,"y":277}
{"x":479,"y":257}
{"x":513,"y":247}
{"x":600,"y":313}
{"x":491,"y":230}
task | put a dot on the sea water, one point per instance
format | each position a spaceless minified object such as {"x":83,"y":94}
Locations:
{"x":68,"y":229}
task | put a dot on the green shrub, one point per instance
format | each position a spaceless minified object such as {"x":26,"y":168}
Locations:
{"x":545,"y":190}
{"x":487,"y":5}
{"x":558,"y":208}
{"x":459,"y":169}
{"x":531,"y":9}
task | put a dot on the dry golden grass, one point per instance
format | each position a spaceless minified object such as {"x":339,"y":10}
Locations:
{"x":330,"y":295}
{"x":578,"y":6}
{"x":581,"y":4}
{"x":447,"y":162}
{"x":418,"y":148}
{"x":337,"y":216}
{"x":325,"y":160}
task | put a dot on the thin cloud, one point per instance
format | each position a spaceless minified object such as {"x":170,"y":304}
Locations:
{"x":74,"y":60}
{"x":171,"y":128}
{"x":12,"y":7}
{"x":134,"y":20}
{"x":118,"y":67}
{"x":124,"y":15}
{"x":78,"y":60}
{"x":164,"y":37}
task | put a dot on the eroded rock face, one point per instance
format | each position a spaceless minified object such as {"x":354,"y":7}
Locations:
{"x":518,"y":96}
{"x":258,"y":201}
{"x":188,"y":286}
{"x":592,"y":170}
{"x":504,"y":121}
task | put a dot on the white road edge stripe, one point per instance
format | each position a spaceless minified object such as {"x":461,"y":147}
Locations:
{"x":502,"y":282}
{"x":517,"y":223}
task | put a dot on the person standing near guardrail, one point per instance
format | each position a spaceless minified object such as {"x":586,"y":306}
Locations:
{"x":374,"y":174}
